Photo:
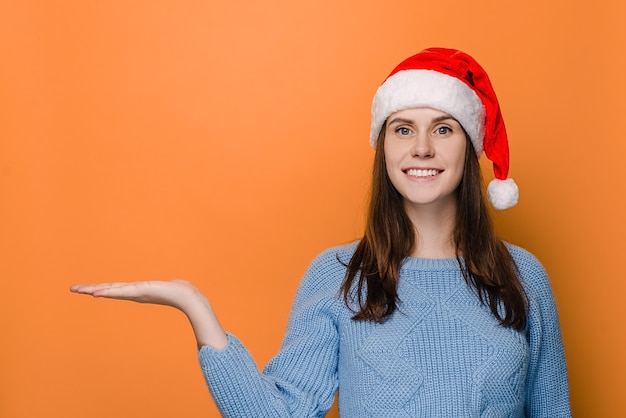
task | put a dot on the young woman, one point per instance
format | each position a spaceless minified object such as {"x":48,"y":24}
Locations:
{"x":429,"y":314}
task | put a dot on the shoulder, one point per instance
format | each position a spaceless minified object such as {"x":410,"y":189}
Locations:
{"x":524,"y":259}
{"x":532,"y":274}
{"x":318,"y":294}
{"x":327,"y":270}
{"x":340,"y":254}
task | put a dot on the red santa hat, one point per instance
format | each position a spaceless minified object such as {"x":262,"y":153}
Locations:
{"x":453,"y":82}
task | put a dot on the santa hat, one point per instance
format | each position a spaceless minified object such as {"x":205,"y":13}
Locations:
{"x":453,"y":82}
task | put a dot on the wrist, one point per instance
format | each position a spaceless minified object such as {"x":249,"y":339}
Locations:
{"x":205,"y":324}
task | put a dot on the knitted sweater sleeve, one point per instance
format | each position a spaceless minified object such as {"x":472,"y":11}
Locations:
{"x":547,"y":391}
{"x":301,"y":380}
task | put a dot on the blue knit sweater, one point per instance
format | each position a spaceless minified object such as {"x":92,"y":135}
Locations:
{"x":441,"y":354}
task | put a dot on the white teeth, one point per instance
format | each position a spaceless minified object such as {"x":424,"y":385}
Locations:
{"x":421,"y":173}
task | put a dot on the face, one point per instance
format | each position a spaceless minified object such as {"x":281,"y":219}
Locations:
{"x":424,"y":156}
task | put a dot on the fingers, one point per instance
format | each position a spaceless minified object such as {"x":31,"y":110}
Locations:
{"x":135,"y":291}
{"x":159,"y":292}
{"x":89,"y":289}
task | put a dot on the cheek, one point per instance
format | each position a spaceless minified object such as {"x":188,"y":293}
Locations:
{"x":393,"y":153}
{"x":391,"y":173}
{"x":392,"y":162}
{"x":459,"y":176}
{"x":461,"y":162}
{"x":458,"y":159}
{"x":388,"y":158}
{"x":461,"y":168}
{"x":391,"y":166}
{"x":460,"y":155}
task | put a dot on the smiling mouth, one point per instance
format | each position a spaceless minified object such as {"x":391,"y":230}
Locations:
{"x":413,"y":172}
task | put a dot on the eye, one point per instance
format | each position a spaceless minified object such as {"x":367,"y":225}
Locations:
{"x":402,"y":131}
{"x":443,"y":130}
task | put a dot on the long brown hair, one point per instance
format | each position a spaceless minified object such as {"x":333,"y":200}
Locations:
{"x":389,"y":238}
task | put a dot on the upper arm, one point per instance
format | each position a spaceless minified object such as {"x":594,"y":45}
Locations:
{"x":301,"y":379}
{"x":547,"y":390}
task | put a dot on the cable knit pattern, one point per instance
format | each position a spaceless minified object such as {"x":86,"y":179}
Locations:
{"x":441,"y":354}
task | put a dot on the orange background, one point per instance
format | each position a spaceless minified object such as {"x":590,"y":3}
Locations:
{"x":226,"y":143}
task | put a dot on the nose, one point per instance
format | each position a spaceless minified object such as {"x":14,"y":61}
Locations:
{"x":422,"y":146}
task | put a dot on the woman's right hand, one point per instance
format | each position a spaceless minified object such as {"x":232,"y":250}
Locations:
{"x":179,"y":294}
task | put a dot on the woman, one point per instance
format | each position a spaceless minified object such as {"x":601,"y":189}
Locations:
{"x":429,"y":314}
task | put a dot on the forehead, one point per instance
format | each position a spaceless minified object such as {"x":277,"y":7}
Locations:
{"x":420,"y":114}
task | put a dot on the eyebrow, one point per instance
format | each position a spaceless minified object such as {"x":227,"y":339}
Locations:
{"x":409,"y":121}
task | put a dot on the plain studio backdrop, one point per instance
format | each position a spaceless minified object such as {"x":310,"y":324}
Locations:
{"x":227,"y":143}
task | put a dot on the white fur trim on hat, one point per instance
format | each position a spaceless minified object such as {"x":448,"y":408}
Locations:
{"x":426,"y":88}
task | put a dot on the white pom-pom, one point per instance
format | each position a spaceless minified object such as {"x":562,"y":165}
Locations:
{"x":503,"y":194}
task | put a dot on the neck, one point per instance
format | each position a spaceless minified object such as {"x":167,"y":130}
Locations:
{"x":434,"y":227}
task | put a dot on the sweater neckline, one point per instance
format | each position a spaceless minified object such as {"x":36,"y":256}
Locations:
{"x":416,"y":263}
